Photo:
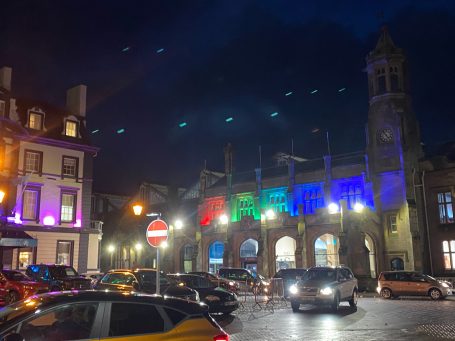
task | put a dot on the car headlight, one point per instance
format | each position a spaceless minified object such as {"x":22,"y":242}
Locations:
{"x":231,"y":284}
{"x":293,"y":289}
{"x":445,"y":285}
{"x":212,"y":298}
{"x":326,"y":291}
{"x":265,"y":283}
{"x":197,"y":297}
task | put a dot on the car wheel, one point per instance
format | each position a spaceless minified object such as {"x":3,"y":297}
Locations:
{"x":435,"y":294}
{"x":386,"y":293}
{"x":12,"y":297}
{"x":353,"y":300}
{"x":336,"y":303}
{"x":295,"y":306}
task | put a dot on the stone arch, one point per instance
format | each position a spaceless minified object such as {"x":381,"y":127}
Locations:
{"x":215,"y":256}
{"x":285,"y":253}
{"x":248,"y":254}
{"x":370,"y":244}
{"x":326,"y":248}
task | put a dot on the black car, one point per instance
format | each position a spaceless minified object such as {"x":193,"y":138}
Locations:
{"x":218,"y":299}
{"x":290,"y":277}
{"x":227,"y":284}
{"x":101,"y":315}
{"x":255,"y":282}
{"x":58,"y":277}
{"x":144,"y":280}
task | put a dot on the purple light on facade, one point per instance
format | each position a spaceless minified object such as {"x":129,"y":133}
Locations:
{"x":78,"y":223}
{"x":49,"y":220}
{"x":17,"y":218}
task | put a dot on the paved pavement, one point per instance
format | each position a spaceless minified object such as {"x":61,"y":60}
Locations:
{"x":374,"y":319}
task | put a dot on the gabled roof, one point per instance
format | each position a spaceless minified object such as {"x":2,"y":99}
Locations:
{"x":385,"y":44}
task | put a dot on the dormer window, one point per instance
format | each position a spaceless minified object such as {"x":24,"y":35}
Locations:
{"x":71,"y":128}
{"x":35,"y":121}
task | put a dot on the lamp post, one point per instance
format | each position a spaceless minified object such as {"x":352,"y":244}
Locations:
{"x":111,"y":249}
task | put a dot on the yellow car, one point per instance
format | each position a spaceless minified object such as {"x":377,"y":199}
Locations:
{"x":105,"y":315}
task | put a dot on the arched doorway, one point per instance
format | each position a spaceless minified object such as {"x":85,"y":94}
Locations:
{"x":285,"y":253}
{"x":216,"y":251}
{"x":397,"y":264}
{"x":248,"y":254}
{"x":326,"y":250}
{"x":186,"y":258}
{"x":369,"y":244}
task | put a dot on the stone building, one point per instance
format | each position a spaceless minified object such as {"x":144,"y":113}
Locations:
{"x":363,"y":209}
{"x":46,"y":173}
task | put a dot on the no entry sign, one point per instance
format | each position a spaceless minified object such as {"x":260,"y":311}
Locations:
{"x":157,"y":232}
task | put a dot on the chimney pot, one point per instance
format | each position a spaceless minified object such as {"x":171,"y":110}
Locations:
{"x":5,"y":77}
{"x":76,"y":100}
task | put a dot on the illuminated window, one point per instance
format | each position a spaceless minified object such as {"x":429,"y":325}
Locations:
{"x":277,"y":202}
{"x":71,"y":128}
{"x":445,"y":208}
{"x":69,"y":167}
{"x":25,"y":258}
{"x":30,"y":204}
{"x":448,"y":248}
{"x":64,"y":252}
{"x":393,"y":224}
{"x":2,"y":108}
{"x":35,"y":121}
{"x":33,"y":161}
{"x":352,"y":193}
{"x":68,"y":208}
{"x":312,"y":199}
{"x":246,"y":207}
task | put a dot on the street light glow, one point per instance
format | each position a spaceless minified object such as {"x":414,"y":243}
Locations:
{"x":270,"y":214}
{"x":2,"y":195}
{"x":111,"y":248}
{"x":333,"y":208}
{"x":178,"y":224}
{"x":138,"y":246}
{"x":224,"y":219}
{"x":164,"y":244}
{"x":137,"y":209}
{"x":358,"y":207}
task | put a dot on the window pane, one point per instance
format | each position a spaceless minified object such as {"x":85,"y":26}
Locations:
{"x":449,"y":213}
{"x":445,"y":246}
{"x":447,"y":264}
{"x":30,"y":204}
{"x":448,"y":197}
{"x":67,"y":214}
{"x":128,"y":319}
{"x":453,"y":261}
{"x":440,"y":198}
{"x":71,"y":129}
{"x":69,"y":166}
{"x":69,"y":322}
{"x":64,"y":253}
{"x":452,"y":245}
{"x":442,"y":214}
{"x":32,"y":162}
{"x":25,"y":258}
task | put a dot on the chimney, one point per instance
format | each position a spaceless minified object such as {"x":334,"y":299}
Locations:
{"x":5,"y":77}
{"x":76,"y":100}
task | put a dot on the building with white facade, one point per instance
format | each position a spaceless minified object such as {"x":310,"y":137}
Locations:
{"x":46,"y":172}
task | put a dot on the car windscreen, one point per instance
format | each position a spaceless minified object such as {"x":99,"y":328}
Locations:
{"x":14,"y":310}
{"x":148,"y":278}
{"x":290,"y":273}
{"x":62,"y":271}
{"x":320,"y":275}
{"x":197,"y":282}
{"x":16,"y":276}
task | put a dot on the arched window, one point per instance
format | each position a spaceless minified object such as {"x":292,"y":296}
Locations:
{"x":216,"y":251}
{"x":397,"y":264}
{"x":326,"y":250}
{"x":285,"y":253}
{"x":187,"y":258}
{"x":249,"y":248}
{"x":369,"y":244}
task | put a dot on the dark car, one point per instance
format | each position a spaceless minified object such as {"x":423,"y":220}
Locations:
{"x":100,"y":315}
{"x":254,"y":281}
{"x":290,"y":277}
{"x":219,"y":281}
{"x":144,"y":280}
{"x":218,"y":299}
{"x":58,"y":277}
{"x":14,"y":286}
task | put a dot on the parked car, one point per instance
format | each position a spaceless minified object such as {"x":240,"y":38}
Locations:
{"x":94,"y":277}
{"x":290,"y":277}
{"x":58,"y":277}
{"x":219,"y":281}
{"x":411,"y":283}
{"x":14,"y":286}
{"x":255,"y":282}
{"x":104,"y":315}
{"x":218,"y":299}
{"x":325,"y":286}
{"x":144,"y":280}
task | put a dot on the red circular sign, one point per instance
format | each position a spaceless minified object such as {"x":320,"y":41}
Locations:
{"x":157,"y":232}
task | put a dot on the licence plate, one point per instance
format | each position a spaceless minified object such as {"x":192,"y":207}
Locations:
{"x":308,"y":299}
{"x":230,"y":303}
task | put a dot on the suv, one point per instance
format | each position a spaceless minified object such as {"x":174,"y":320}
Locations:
{"x":325,"y":286}
{"x":289,"y":277}
{"x":411,"y":283}
{"x":252,"y":279}
{"x":58,"y":277}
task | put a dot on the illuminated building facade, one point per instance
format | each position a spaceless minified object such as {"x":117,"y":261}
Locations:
{"x":364,"y":209}
{"x":46,"y":170}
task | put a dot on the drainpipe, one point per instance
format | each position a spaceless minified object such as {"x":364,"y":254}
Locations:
{"x":426,"y":221}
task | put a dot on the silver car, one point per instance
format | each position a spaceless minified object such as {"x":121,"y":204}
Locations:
{"x":325,"y":286}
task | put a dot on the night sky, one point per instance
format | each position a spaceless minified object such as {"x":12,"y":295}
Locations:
{"x":152,"y":65}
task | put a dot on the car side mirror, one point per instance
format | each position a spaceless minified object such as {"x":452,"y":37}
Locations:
{"x":13,"y":337}
{"x":136,"y":286}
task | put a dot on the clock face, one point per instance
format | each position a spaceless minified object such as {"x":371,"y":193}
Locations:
{"x":385,"y":135}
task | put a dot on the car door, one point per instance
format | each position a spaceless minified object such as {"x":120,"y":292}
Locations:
{"x":404,"y":283}
{"x":342,"y":283}
{"x":417,"y":285}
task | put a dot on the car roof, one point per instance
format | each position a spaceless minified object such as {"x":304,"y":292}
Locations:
{"x":132,"y":270}
{"x":49,"y":299}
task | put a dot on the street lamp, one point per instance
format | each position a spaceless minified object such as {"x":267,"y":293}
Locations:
{"x":137,"y":209}
{"x":270,"y":214}
{"x":138,"y":246}
{"x":111,"y":249}
{"x":358,"y":207}
{"x":178,"y":224}
{"x":2,"y":196}
{"x":224,"y":219}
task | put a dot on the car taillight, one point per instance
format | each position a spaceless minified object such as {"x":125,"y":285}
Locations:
{"x":222,"y":337}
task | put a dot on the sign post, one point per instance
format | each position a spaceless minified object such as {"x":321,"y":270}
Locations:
{"x":157,"y":233}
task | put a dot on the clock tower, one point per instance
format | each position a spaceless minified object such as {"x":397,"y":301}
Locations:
{"x":393,"y":149}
